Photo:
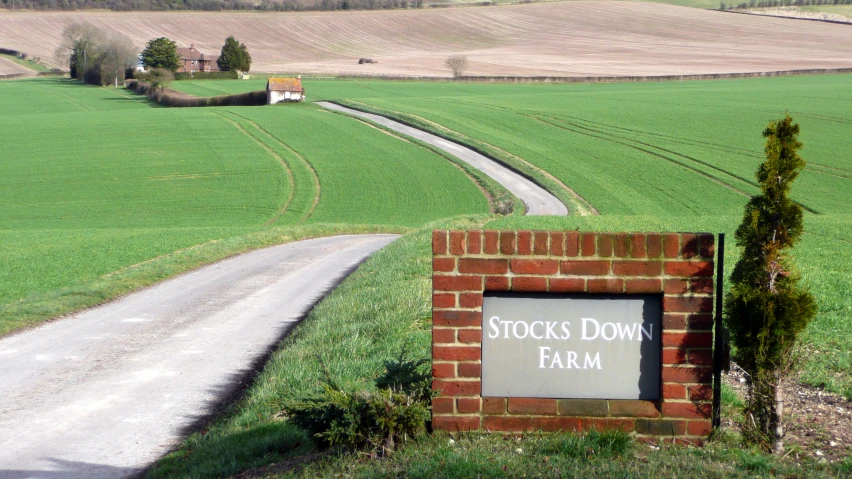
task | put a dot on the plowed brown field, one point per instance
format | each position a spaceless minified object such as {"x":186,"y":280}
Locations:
{"x":571,"y":38}
{"x":8,"y":67}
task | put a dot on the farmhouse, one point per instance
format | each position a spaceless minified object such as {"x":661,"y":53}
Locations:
{"x":284,"y":90}
{"x":192,"y":60}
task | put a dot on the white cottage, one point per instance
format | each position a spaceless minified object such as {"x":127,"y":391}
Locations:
{"x":284,"y":90}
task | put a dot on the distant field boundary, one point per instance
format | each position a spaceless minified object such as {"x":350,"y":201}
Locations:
{"x":15,"y":76}
{"x":603,"y":79}
{"x":175,"y":98}
{"x":824,"y":20}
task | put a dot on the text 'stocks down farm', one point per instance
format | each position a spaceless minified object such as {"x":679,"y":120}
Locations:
{"x":557,"y":239}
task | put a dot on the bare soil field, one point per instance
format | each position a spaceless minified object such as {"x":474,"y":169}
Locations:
{"x":8,"y":67}
{"x":561,"y":39}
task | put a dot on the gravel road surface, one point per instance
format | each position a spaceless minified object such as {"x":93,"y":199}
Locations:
{"x":106,"y":392}
{"x":538,"y":201}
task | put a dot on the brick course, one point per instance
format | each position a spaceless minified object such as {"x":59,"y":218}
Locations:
{"x":677,"y":266}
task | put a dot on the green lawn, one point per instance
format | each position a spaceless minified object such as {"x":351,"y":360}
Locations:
{"x":93,"y":180}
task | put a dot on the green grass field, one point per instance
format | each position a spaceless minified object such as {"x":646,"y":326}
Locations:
{"x":671,"y":156}
{"x":612,"y":143}
{"x":93,"y":180}
{"x":666,"y":156}
{"x":87,"y":205}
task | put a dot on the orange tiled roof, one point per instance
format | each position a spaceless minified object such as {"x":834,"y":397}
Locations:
{"x":284,"y":84}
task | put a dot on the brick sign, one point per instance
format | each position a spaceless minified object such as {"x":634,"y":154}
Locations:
{"x":564,"y":330}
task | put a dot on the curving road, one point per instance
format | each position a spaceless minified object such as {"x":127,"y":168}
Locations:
{"x":538,"y":201}
{"x":106,"y":392}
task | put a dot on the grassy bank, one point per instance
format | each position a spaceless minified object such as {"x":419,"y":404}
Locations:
{"x":383,"y":307}
{"x":563,"y":455}
{"x":25,"y":62}
{"x":85,"y":291}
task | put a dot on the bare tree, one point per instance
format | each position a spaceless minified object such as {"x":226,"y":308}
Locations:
{"x":457,"y":64}
{"x":80,"y":47}
{"x":160,"y":78}
{"x":119,"y":54}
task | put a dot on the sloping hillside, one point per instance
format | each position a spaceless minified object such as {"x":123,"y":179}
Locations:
{"x":9,"y":67}
{"x":566,"y":38}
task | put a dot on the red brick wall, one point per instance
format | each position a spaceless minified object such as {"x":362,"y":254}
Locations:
{"x":677,"y":265}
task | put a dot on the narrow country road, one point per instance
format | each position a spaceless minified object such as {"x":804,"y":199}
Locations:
{"x":539,"y":201}
{"x":106,"y":392}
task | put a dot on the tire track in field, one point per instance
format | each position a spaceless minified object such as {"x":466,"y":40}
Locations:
{"x":650,"y":152}
{"x":833,"y":119}
{"x":683,"y":141}
{"x":290,"y":180}
{"x":692,"y":168}
{"x":117,"y":92}
{"x":828,"y":173}
{"x":651,"y":145}
{"x":298,"y":155}
{"x":537,"y":200}
{"x":580,"y":204}
{"x":70,"y":99}
{"x":713,"y":146}
{"x":488,"y":196}
{"x":838,"y":172}
{"x":540,"y":117}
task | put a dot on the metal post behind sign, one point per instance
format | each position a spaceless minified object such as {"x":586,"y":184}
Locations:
{"x":721,"y":345}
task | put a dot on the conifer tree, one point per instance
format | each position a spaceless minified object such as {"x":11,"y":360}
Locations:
{"x":767,"y":309}
{"x":161,"y":53}
{"x":234,"y":56}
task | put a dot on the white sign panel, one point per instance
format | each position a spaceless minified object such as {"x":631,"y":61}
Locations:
{"x":571,"y":346}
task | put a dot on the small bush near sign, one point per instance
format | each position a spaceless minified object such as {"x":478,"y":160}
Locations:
{"x":474,"y":271}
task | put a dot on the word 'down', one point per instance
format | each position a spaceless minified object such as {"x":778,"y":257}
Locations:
{"x":590,"y":329}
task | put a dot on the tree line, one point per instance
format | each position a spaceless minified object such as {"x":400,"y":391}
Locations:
{"x":99,"y":58}
{"x":780,"y":3}
{"x":211,"y":5}
{"x":94,"y":56}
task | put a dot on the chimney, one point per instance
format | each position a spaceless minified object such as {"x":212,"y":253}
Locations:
{"x":191,"y":46}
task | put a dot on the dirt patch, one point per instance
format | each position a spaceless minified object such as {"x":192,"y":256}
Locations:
{"x":819,"y":424}
{"x":8,"y":67}
{"x":583,"y":38}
